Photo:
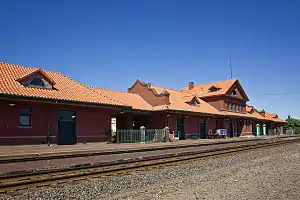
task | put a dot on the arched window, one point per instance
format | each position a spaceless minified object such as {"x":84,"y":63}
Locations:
{"x":37,"y":82}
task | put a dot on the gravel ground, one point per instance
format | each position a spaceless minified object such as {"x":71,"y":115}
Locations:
{"x":272,"y":173}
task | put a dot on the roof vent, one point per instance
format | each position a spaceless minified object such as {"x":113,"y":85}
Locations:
{"x":191,"y":85}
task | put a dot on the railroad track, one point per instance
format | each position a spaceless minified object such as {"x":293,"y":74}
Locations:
{"x":49,"y":156}
{"x":11,"y":184}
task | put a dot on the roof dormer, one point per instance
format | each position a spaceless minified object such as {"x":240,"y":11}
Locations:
{"x":37,"y":79}
{"x":262,"y":113}
{"x":194,"y":102}
{"x":213,"y":89}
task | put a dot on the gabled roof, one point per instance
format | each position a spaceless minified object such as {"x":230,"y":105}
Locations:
{"x":38,"y":71}
{"x":129,"y":99}
{"x":149,"y":87}
{"x":66,"y":89}
{"x":273,"y":117}
{"x":249,"y":109}
{"x":268,"y":116}
{"x":189,"y":98}
{"x":203,"y":90}
{"x":178,"y":103}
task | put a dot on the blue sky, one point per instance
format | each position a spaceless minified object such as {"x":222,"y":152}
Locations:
{"x":166,"y":42}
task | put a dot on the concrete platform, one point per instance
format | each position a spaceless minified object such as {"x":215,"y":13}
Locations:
{"x":108,"y":159}
{"x":44,"y":150}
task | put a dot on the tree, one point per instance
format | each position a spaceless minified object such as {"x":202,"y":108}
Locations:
{"x":292,"y":124}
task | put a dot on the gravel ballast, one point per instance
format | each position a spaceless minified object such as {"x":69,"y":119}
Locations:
{"x":271,"y":173}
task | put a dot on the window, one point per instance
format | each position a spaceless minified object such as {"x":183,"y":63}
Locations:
{"x":193,"y":103}
{"x":233,"y":108}
{"x":25,"y":117}
{"x":234,"y":93}
{"x":229,"y":107}
{"x":238,"y":108}
{"x":214,"y":89}
{"x":37,"y":82}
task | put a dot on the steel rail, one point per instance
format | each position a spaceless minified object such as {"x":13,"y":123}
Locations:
{"x":22,"y":182}
{"x":61,"y":155}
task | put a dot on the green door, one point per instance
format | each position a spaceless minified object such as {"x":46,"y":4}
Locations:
{"x":202,"y":128}
{"x":180,"y":128}
{"x":264,"y":130}
{"x":66,"y":128}
{"x":257,"y":130}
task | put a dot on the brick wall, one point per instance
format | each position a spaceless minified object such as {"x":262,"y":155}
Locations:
{"x":148,"y":95}
{"x":92,"y":124}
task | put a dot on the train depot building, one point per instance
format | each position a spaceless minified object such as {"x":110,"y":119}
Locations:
{"x":39,"y":106}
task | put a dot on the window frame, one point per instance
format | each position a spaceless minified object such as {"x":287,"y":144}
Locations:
{"x":238,"y":108}
{"x":233,"y":107}
{"x":41,"y":81}
{"x":213,"y":89}
{"x":229,"y":107}
{"x":193,"y":103}
{"x":25,"y":114}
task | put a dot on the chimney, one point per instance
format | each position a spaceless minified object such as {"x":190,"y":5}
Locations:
{"x":191,"y":85}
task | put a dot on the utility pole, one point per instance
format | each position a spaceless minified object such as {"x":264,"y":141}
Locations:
{"x":230,"y":65}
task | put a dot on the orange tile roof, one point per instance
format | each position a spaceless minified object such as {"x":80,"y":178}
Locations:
{"x":243,"y":115}
{"x":257,"y":115}
{"x":273,"y":117}
{"x":188,"y":98}
{"x":66,"y":89}
{"x":178,"y":102}
{"x":203,"y":89}
{"x":249,"y":108}
{"x":268,"y":116}
{"x":130,"y":99}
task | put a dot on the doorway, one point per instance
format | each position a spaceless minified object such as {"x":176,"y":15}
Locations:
{"x":202,"y":128}
{"x":66,"y":128}
{"x":253,"y":128}
{"x":180,"y":128}
{"x":230,"y":128}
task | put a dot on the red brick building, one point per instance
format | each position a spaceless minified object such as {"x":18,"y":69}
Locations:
{"x":39,"y":106}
